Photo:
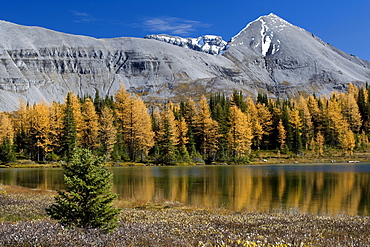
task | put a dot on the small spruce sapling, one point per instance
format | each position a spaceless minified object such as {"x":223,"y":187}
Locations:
{"x":87,"y":201}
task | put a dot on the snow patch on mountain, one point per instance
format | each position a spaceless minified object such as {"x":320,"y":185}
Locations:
{"x":275,"y":47}
{"x":266,"y":37}
{"x":211,"y":44}
{"x":269,"y":45}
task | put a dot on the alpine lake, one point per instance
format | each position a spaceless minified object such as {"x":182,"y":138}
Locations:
{"x":321,"y":189}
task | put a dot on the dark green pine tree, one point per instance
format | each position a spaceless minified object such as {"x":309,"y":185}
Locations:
{"x":239,"y":101}
{"x":69,"y":134}
{"x":97,"y":101}
{"x":364,"y":107}
{"x":7,"y":151}
{"x":166,"y":148}
{"x":276,"y":117}
{"x":191,"y":147}
{"x":262,"y":98}
{"x":287,"y":126}
{"x":297,"y":140}
{"x":87,"y":201}
{"x":220,"y":111}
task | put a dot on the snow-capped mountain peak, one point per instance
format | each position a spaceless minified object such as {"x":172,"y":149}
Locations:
{"x":211,"y":44}
{"x":264,"y":29}
{"x":215,"y":45}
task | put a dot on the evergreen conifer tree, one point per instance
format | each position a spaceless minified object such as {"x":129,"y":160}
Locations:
{"x":86,"y":203}
{"x":69,"y":133}
{"x":7,"y":151}
{"x":166,"y":147}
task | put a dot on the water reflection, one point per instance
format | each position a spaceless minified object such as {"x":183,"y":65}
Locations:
{"x":36,"y":178}
{"x":318,"y":189}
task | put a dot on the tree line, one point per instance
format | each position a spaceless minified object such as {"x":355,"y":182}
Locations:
{"x":223,"y":128}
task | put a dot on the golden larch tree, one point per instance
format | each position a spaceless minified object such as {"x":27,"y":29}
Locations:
{"x":320,"y":142}
{"x":351,"y":111}
{"x":77,"y":114}
{"x":182,"y":130}
{"x":134,"y":124}
{"x":107,"y":130}
{"x":239,"y":135}
{"x":257,"y":128}
{"x":339,"y":126}
{"x":281,"y":135}
{"x":316,"y":112}
{"x":207,"y":130}
{"x":22,"y":118}
{"x":89,"y":136}
{"x":347,"y":141}
{"x":265,"y":118}
{"x":56,"y":125}
{"x":353,"y":90}
{"x":307,"y":125}
{"x":6,"y":127}
{"x":41,"y":130}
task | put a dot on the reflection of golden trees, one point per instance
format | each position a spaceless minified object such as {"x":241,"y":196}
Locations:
{"x":236,"y":187}
{"x":245,"y":188}
{"x":179,"y":187}
{"x":46,"y":179}
{"x":136,"y":184}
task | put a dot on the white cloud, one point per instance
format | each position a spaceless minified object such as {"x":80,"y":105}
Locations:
{"x":83,"y":17}
{"x":172,"y":25}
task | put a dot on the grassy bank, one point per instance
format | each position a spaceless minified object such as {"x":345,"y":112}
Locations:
{"x":24,"y":223}
{"x":257,"y":157}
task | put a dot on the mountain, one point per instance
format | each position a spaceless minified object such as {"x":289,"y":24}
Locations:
{"x":207,"y":43}
{"x":269,"y":55}
{"x":294,"y":59}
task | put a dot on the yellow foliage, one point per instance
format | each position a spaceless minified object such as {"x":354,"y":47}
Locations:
{"x":182,"y":130}
{"x":240,"y":135}
{"x":207,"y":129}
{"x":281,"y":134}
{"x":6,"y":127}
{"x":107,"y":130}
{"x":89,"y":136}
{"x":41,"y":129}
{"x":56,"y":124}
{"x":134,"y":123}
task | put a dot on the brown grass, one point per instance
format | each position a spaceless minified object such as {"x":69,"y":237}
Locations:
{"x":171,"y":224}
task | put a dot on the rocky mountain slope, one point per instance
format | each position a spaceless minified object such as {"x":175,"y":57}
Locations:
{"x":294,"y":59}
{"x":268,"y":55}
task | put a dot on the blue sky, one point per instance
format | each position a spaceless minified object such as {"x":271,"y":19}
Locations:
{"x":344,"y":24}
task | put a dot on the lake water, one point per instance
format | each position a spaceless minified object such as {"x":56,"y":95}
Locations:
{"x":312,"y":188}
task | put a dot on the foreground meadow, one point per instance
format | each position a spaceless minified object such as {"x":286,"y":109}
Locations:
{"x":24,"y":223}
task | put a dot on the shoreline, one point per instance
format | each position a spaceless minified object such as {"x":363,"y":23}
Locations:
{"x":213,"y":164}
{"x":268,"y":160}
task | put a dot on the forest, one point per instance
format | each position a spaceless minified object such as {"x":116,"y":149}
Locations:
{"x":221,"y":128}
